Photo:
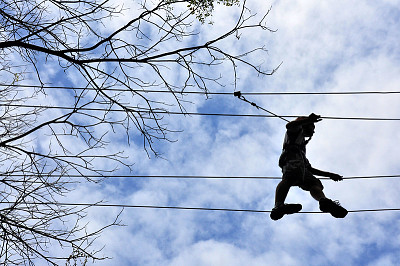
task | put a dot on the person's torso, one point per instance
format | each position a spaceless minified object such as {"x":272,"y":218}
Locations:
{"x":294,"y":147}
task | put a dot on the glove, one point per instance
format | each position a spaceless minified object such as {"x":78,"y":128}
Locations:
{"x":314,"y":118}
{"x":335,"y":177}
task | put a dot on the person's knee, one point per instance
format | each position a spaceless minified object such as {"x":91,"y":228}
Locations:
{"x":285,"y":183}
{"x":317,"y":193}
{"x":316,"y":189}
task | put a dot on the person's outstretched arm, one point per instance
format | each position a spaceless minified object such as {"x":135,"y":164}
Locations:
{"x":333,"y":176}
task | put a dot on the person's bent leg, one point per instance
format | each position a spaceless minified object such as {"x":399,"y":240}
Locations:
{"x":317,"y":193}
{"x":281,"y":193}
{"x":281,"y":208}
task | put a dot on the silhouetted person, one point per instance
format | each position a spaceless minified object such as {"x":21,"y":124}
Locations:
{"x":297,"y":171}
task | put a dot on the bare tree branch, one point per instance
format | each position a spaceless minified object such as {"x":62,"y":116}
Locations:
{"x":157,"y":45}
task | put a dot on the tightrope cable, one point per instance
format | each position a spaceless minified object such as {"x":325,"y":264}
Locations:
{"x":155,"y":111}
{"x":177,"y":207}
{"x":8,"y":176}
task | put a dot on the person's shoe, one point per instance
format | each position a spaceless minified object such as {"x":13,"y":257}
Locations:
{"x":279,"y":211}
{"x":333,"y":207}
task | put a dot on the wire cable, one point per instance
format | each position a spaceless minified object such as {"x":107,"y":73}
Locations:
{"x":185,"y":176}
{"x":205,"y":93}
{"x":141,"y":110}
{"x":178,"y":207}
{"x":241,"y":97}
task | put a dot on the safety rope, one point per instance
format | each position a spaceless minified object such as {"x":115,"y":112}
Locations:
{"x":241,"y":97}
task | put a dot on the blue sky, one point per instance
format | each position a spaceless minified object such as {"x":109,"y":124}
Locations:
{"x":326,"y":46}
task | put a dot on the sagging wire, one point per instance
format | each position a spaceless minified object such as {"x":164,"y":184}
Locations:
{"x":100,"y":204}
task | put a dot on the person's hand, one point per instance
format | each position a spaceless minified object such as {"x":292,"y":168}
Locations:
{"x":335,"y":177}
{"x":314,"y":118}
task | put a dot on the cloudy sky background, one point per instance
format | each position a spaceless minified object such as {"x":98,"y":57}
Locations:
{"x":325,"y":46}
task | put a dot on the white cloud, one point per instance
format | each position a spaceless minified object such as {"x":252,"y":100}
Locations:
{"x":325,"y":46}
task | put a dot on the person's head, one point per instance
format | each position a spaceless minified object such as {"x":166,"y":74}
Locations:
{"x":308,"y":129}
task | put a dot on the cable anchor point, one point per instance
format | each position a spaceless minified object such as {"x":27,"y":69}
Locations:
{"x":237,"y":94}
